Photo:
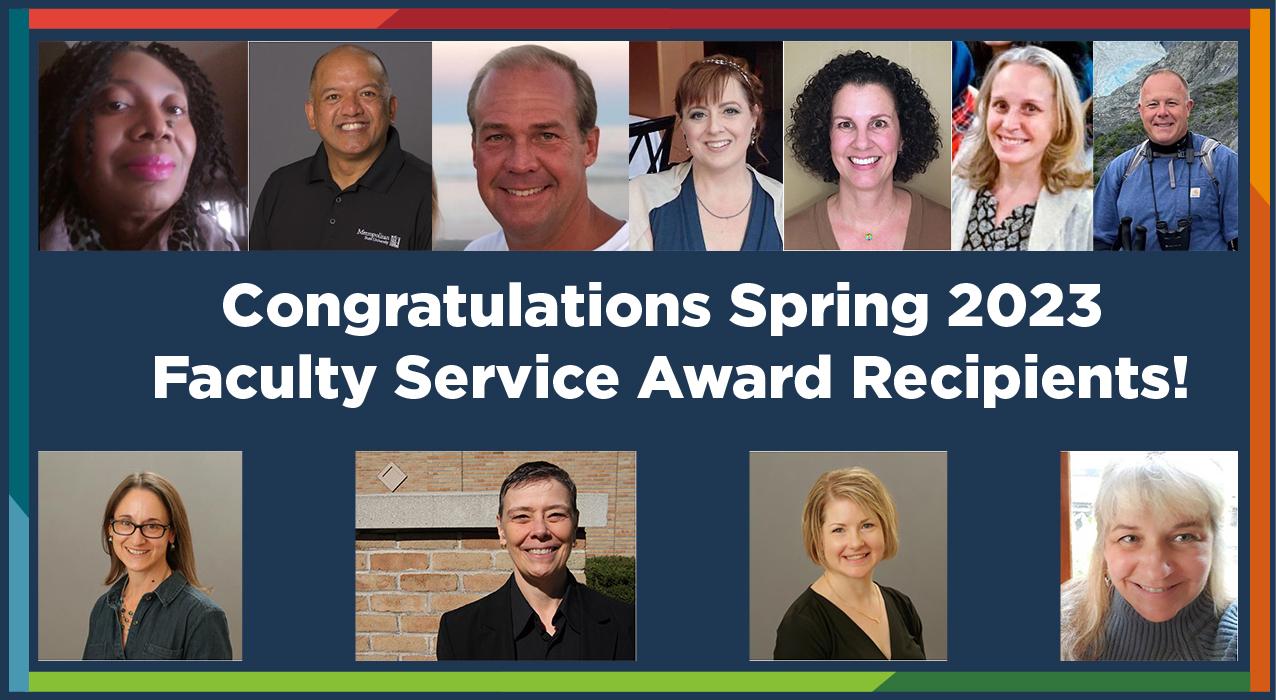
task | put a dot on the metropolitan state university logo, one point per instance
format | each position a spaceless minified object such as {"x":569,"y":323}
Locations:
{"x":382,"y":238}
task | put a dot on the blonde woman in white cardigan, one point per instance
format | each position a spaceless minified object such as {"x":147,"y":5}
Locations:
{"x":1023,"y":182}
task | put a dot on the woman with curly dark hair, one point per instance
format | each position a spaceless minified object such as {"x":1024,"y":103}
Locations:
{"x":132,"y":154}
{"x":864,"y":123}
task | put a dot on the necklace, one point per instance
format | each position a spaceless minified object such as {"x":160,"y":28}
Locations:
{"x":731,"y":216}
{"x":868,"y":232}
{"x":126,"y":615}
{"x":876,"y":621}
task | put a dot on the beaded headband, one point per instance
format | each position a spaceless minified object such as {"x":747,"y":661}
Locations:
{"x":736,"y":66}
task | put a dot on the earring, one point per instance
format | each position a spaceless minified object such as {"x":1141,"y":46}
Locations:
{"x":172,"y":545}
{"x":754,"y":138}
{"x":1107,"y":582}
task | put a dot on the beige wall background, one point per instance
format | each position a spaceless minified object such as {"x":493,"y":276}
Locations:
{"x":930,"y":63}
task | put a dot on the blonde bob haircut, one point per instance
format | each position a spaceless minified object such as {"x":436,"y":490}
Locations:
{"x":1162,"y":488}
{"x":1061,"y":166}
{"x":856,"y":484}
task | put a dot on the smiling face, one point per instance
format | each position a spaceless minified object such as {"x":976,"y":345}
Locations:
{"x":1164,"y":108}
{"x":529,"y":153}
{"x":864,"y":136}
{"x":851,"y":539}
{"x":139,"y":554}
{"x":350,"y":105}
{"x":1158,"y":563}
{"x":538,"y":529}
{"x":1021,"y":114}
{"x":719,"y":134}
{"x":143,"y":141}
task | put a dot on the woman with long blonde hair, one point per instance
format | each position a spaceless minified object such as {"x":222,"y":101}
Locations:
{"x":1155,"y":587}
{"x":1022,"y":180}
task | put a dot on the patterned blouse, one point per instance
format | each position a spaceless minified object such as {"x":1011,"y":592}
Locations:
{"x":1011,"y":234}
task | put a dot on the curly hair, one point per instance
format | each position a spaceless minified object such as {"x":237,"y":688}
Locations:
{"x":66,"y":95}
{"x":812,"y":114}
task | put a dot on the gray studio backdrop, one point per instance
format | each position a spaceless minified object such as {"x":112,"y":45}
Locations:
{"x":278,"y":85}
{"x":73,"y":488}
{"x":779,"y":569}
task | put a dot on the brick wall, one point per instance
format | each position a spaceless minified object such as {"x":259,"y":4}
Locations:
{"x":612,"y":473}
{"x":406,"y":579}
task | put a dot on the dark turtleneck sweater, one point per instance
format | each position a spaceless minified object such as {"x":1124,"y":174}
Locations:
{"x":1196,"y":633}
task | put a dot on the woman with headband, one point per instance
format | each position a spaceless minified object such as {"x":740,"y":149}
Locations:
{"x":715,"y":200}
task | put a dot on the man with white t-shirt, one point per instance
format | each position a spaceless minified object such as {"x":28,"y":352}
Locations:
{"x":533,"y":112}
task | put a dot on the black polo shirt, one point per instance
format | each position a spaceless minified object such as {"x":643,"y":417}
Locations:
{"x":532,"y":642}
{"x":302,"y":208}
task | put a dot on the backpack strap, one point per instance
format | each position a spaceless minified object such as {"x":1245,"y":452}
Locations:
{"x":1139,"y":154}
{"x":1207,"y":159}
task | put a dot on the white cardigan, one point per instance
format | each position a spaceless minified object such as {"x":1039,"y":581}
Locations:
{"x":1061,"y":221}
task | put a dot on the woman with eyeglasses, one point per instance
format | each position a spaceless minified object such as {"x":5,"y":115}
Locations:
{"x":155,"y":608}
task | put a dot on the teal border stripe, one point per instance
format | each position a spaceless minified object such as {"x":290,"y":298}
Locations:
{"x":19,"y":356}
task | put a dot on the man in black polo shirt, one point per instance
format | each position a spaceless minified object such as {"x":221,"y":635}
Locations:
{"x":541,"y":612}
{"x":359,"y":190}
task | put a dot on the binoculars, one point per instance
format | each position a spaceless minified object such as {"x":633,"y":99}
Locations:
{"x":1136,"y":237}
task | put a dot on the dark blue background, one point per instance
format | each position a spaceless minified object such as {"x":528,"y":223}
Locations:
{"x":101,"y":319}
{"x":97,"y":321}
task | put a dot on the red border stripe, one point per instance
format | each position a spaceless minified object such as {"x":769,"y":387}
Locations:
{"x":641,"y":19}
{"x":221,"y":18}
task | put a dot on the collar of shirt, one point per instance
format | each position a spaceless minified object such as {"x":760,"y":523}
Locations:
{"x":166,"y":592}
{"x":522,"y":615}
{"x":379,"y":177}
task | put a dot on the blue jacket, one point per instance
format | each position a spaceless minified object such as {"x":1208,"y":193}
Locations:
{"x":1114,"y":199}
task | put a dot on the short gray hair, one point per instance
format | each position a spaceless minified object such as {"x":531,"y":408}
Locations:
{"x":534,"y":56}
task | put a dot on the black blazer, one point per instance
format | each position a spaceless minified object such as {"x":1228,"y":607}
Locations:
{"x":483,"y":630}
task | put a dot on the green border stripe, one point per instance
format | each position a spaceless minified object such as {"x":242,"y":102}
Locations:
{"x":640,"y":682}
{"x":1069,"y":681}
{"x":453,"y":682}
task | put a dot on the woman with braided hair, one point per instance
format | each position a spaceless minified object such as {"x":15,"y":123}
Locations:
{"x":132,"y":153}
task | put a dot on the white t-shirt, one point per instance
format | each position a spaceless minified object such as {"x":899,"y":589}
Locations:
{"x":496,"y":241}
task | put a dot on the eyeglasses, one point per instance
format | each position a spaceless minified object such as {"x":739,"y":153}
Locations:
{"x":151,"y":531}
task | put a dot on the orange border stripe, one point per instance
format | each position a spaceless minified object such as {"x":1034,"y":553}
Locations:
{"x":1260,"y":353}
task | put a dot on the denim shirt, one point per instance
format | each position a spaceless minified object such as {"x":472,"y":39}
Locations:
{"x":175,"y":621}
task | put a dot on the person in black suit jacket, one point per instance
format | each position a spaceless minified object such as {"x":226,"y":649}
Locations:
{"x":541,"y":613}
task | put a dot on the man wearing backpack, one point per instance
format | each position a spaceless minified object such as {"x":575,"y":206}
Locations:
{"x":1175,"y":191}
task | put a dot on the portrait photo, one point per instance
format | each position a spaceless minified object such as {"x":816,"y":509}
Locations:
{"x":704,"y":145}
{"x":483,"y":555}
{"x":1166,"y":145}
{"x":1149,"y":556}
{"x":1022,"y":172}
{"x":521,"y":185}
{"x":848,"y":556}
{"x":866,"y":145}
{"x":142,"y":145}
{"x":341,"y":146}
{"x":139,"y":556}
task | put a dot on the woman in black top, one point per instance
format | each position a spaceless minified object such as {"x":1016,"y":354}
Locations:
{"x":145,"y":533}
{"x":848,"y":527}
